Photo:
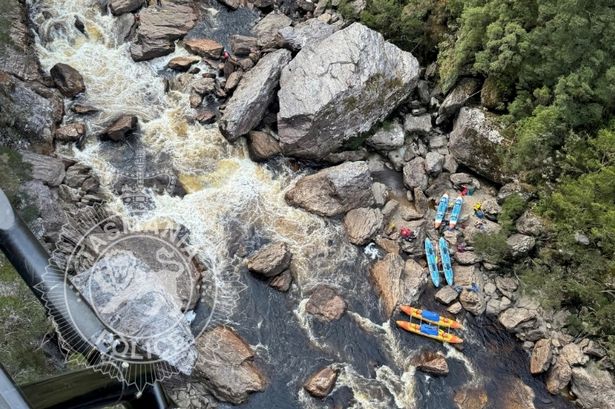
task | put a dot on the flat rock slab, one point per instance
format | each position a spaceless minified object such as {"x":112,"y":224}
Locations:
{"x":326,"y":304}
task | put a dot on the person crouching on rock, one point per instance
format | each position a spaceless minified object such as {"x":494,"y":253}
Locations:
{"x":407,"y":234}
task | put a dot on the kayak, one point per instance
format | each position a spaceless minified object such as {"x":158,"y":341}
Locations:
{"x":442,"y":208}
{"x":456,"y":212}
{"x":429,"y":331}
{"x":430,"y":317}
{"x":432,"y":263}
{"x":446,"y":261}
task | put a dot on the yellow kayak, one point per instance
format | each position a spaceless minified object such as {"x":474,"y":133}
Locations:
{"x":429,"y":331}
{"x":431,"y":317}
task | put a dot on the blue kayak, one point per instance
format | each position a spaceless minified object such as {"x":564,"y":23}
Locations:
{"x":456,"y":212}
{"x":442,"y":208}
{"x":432,"y":263}
{"x":446,"y":261}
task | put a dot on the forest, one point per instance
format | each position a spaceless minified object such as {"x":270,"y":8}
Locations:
{"x":549,"y":69}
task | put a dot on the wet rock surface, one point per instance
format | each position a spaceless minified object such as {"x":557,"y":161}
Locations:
{"x":120,"y":128}
{"x":68,"y":80}
{"x":351,"y":65}
{"x":270,"y":260}
{"x":225,"y":365}
{"x":159,"y":27}
{"x":326,"y":304}
{"x":362,"y":224}
{"x":321,"y":383}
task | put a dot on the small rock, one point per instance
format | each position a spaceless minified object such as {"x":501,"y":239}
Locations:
{"x":233,"y":80}
{"x":433,"y":163}
{"x":386,"y":275}
{"x":432,"y":363}
{"x":409,"y":213}
{"x":311,"y":31}
{"x":262,"y":146}
{"x":381,"y":193}
{"x":321,"y":383}
{"x":419,"y":125}
{"x":506,"y":285}
{"x":204,"y":47}
{"x":389,"y":246}
{"x":389,"y":208}
{"x":415,"y":174}
{"x":68,"y":80}
{"x":243,"y":45}
{"x":459,"y":179}
{"x":282,"y":281}
{"x":467,"y":258}
{"x":119,"y":7}
{"x":206,"y":117}
{"x":388,"y":137}
{"x":520,"y":244}
{"x":456,"y":99}
{"x":182,"y":63}
{"x":70,"y":133}
{"x":270,"y":260}
{"x":362,"y":224}
{"x":472,"y":302}
{"x":530,"y":224}
{"x":450,"y":163}
{"x":581,"y":239}
{"x":83,"y":109}
{"x":267,"y":29}
{"x":541,"y":357}
{"x":195,"y":100}
{"x":120,"y":128}
{"x":326,"y":304}
{"x":446,"y":295}
{"x":455,"y":308}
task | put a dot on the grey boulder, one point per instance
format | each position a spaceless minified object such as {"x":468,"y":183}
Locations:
{"x":339,"y":88}
{"x":334,"y":190}
{"x":255,"y":92}
{"x":45,"y":168}
{"x":309,"y":32}
{"x":476,"y":142}
{"x":388,"y":137}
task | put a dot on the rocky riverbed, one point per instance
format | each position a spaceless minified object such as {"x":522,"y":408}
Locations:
{"x":301,"y":144}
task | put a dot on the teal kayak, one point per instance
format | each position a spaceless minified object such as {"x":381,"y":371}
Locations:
{"x":432,"y":263}
{"x":446,"y":261}
{"x":456,"y":212}
{"x":442,"y":208}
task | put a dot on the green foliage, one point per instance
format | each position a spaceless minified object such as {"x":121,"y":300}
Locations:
{"x":512,"y":208}
{"x":417,"y":25}
{"x":24,"y":325}
{"x":492,"y":247}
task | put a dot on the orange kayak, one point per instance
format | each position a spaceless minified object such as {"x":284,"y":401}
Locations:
{"x":429,"y":331}
{"x":431,"y":317}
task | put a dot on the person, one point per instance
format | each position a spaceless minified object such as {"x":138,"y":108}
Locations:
{"x":464,"y":190}
{"x":406,"y":233}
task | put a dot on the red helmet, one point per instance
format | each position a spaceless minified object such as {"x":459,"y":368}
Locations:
{"x":405,"y":232}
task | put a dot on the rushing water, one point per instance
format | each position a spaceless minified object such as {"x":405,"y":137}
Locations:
{"x":233,"y":206}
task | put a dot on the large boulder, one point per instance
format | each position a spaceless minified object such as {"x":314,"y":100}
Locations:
{"x":339,"y":88}
{"x":30,"y":112}
{"x":476,"y":142}
{"x":225,"y":366}
{"x":362,"y":224}
{"x":541,"y":357}
{"x":334,"y":190}
{"x":311,"y":31}
{"x":262,"y":145}
{"x":159,"y":27}
{"x":573,"y":354}
{"x":255,"y":92}
{"x":270,"y":260}
{"x":593,"y":388}
{"x":456,"y":99}
{"x":321,"y":383}
{"x":397,"y":282}
{"x":530,"y":224}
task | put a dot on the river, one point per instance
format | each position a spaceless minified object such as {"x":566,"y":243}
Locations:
{"x":233,"y":206}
